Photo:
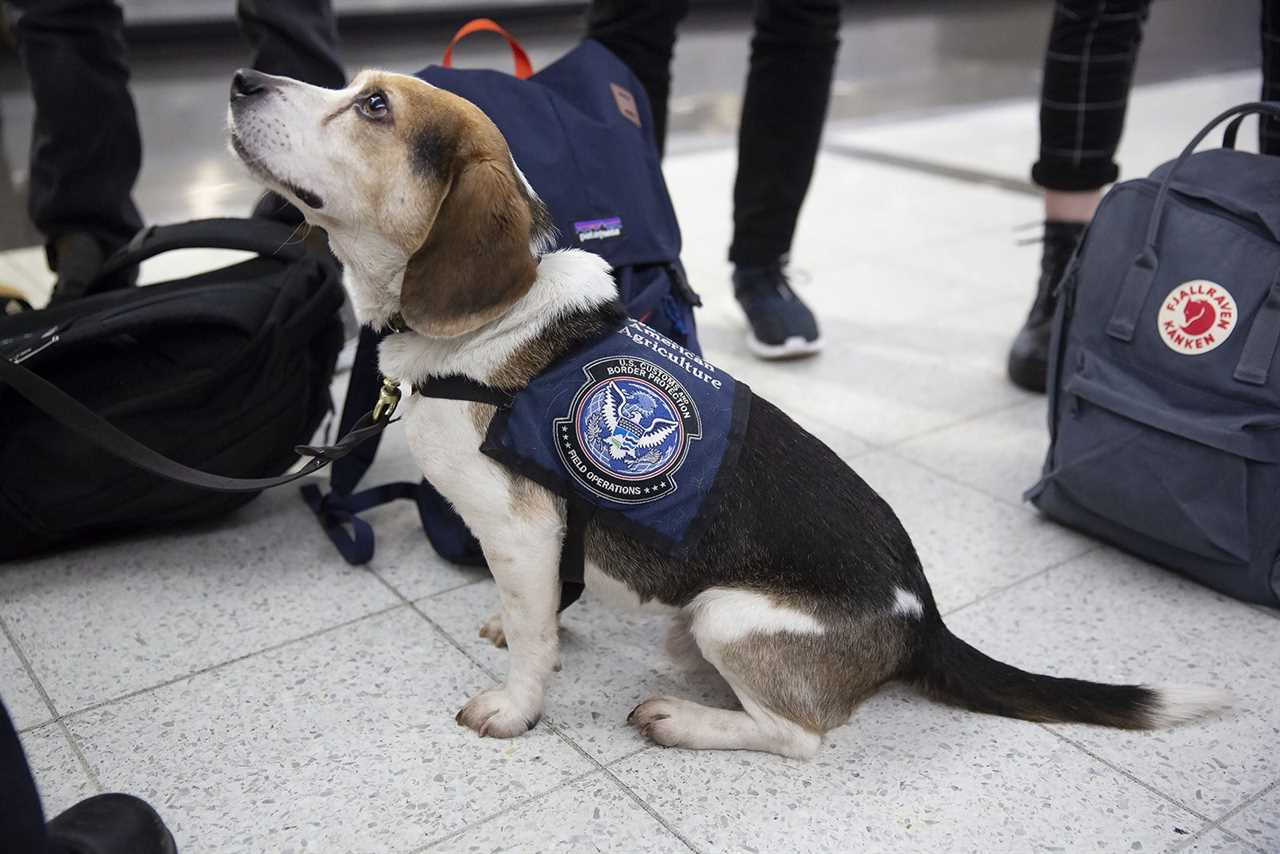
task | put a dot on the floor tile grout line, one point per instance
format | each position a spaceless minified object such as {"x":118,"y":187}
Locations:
{"x":950,"y":478}
{"x":58,"y":720}
{"x":230,"y":661}
{"x":541,"y":796}
{"x":1126,"y":773}
{"x":932,"y":168}
{"x":551,"y":725}
{"x":968,"y":419}
{"x":31,"y":674}
{"x":571,"y":743}
{"x":1232,"y":813}
{"x":873,"y":446}
{"x":406,"y":600}
{"x":1210,"y":828}
{"x":79,"y":753}
{"x":650,"y":809}
{"x":1093,"y":547}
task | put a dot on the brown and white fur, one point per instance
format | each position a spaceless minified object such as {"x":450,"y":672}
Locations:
{"x":805,"y":593}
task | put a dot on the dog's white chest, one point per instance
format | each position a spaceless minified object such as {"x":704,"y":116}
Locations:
{"x":445,"y":443}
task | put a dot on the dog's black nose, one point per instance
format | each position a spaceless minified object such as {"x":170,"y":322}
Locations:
{"x":246,"y":83}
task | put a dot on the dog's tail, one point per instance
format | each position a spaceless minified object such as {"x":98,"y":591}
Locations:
{"x":953,"y":671}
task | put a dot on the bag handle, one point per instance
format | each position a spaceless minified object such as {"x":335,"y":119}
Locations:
{"x":263,"y":236}
{"x":524,"y":68}
{"x":1137,"y":282}
{"x":1259,"y":351}
{"x":73,"y":414}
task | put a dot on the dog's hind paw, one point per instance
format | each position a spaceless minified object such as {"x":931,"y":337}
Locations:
{"x":659,"y":720}
{"x":496,"y":713}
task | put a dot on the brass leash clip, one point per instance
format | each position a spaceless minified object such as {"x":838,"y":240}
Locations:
{"x":388,"y":400}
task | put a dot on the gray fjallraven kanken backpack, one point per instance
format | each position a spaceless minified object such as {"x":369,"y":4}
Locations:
{"x":1164,"y":386}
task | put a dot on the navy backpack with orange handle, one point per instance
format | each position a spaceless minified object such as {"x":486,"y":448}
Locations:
{"x":581,"y":132}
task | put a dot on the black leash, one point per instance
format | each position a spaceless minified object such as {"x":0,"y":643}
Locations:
{"x":71,"y":413}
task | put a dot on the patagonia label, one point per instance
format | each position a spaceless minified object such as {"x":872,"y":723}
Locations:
{"x":598,"y":229}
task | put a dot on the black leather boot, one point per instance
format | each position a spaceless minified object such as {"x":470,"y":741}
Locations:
{"x":1029,"y":356}
{"x":110,"y":824}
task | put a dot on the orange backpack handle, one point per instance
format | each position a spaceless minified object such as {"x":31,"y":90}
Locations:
{"x":524,"y":68}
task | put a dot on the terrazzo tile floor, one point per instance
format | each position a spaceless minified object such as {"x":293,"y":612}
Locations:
{"x":266,"y":697}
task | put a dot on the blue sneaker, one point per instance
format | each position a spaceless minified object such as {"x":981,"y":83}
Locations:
{"x":782,"y":326}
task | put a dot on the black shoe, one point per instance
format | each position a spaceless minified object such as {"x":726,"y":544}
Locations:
{"x":77,"y":258}
{"x":272,"y":205}
{"x":782,"y":326}
{"x":1029,"y":356}
{"x":110,"y":824}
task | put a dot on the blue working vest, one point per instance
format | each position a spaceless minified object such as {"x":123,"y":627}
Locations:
{"x":634,"y":425}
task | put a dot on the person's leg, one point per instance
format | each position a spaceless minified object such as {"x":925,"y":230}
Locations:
{"x":293,"y":38}
{"x":85,"y":147}
{"x":793,"y":56}
{"x":21,"y":818}
{"x":1269,"y":129}
{"x":1088,"y":71}
{"x":643,"y":36}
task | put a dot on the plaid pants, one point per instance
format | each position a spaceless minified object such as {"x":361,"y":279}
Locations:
{"x":1088,"y":71}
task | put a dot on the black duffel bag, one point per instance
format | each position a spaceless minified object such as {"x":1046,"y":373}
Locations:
{"x":226,"y":371}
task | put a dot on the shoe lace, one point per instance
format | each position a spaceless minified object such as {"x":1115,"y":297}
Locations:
{"x":769,"y":282}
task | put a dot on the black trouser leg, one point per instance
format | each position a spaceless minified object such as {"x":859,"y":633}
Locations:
{"x":1088,"y":72}
{"x":642,"y":34}
{"x":85,"y":147}
{"x":293,"y":38}
{"x":1268,"y":128}
{"x":793,"y":57}
{"x":21,"y":818}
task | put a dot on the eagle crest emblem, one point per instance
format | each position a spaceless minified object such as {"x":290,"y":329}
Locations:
{"x":628,"y":430}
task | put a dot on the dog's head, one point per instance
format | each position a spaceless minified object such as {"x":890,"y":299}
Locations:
{"x":414,"y":185}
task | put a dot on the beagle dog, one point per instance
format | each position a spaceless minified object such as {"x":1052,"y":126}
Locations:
{"x":804,"y":591}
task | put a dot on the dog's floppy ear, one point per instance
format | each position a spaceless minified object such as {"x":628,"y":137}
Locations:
{"x":476,"y":260}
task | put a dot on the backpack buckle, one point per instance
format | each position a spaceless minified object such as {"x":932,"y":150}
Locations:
{"x":388,"y":399}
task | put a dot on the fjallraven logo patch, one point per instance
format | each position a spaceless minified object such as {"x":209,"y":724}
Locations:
{"x":598,"y":229}
{"x":626,"y":103}
{"x":628,"y":430}
{"x":1196,"y":317}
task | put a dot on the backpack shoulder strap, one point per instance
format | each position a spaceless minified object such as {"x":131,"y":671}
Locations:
{"x":262,"y":236}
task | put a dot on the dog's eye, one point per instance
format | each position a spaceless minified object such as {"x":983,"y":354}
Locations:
{"x":374,"y":105}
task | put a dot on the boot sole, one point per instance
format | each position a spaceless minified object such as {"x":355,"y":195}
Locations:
{"x":795,"y":347}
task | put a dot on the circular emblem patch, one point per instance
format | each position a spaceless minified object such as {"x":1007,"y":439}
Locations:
{"x":628,"y":430}
{"x":1196,"y":317}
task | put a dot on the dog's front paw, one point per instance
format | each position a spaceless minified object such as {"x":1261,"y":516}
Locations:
{"x":492,"y":629}
{"x":498,"y":714}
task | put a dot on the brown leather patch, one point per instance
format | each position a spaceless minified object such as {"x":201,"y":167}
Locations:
{"x":626,"y":103}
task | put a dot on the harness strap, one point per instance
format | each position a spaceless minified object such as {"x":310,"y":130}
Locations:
{"x":458,"y":387}
{"x":573,"y":551}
